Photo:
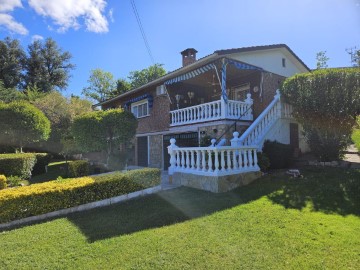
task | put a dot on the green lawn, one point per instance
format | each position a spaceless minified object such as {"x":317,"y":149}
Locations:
{"x":277,"y":222}
{"x":356,"y":138}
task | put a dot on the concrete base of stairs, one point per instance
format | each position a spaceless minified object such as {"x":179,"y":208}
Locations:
{"x":216,"y":184}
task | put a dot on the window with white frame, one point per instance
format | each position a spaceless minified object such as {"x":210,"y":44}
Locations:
{"x":140,"y":108}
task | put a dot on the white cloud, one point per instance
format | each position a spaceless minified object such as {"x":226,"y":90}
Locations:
{"x":111,"y":15}
{"x":36,"y":37}
{"x":9,"y":5}
{"x":65,"y":13}
{"x":12,"y":25}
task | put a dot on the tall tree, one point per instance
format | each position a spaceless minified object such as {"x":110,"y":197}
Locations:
{"x":139,"y":78}
{"x":47,"y":66}
{"x":101,"y":84}
{"x":12,"y":58}
{"x":61,"y":112}
{"x":9,"y":94}
{"x":122,"y":86}
{"x":354,"y":56}
{"x":321,"y":60}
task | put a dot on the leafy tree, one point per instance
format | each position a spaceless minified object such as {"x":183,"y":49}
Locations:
{"x":139,"y":78}
{"x":47,"y":66}
{"x":21,"y":123}
{"x":101,"y":85}
{"x":122,"y":86}
{"x":61,"y":113}
{"x":321,"y":60}
{"x":12,"y":58}
{"x":326,"y":102}
{"x":355,"y":56}
{"x":9,"y":94}
{"x":103,"y":130}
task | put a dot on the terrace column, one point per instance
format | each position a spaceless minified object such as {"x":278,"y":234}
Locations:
{"x":224,"y":97}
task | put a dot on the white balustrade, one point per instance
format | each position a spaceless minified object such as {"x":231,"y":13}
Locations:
{"x":213,"y":111}
{"x":212,"y":161}
{"x":255,"y":133}
{"x":287,"y":113}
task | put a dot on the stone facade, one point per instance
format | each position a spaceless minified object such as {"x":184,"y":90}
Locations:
{"x":216,"y":184}
{"x":156,"y":150}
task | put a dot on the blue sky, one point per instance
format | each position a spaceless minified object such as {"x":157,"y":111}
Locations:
{"x":104,"y":34}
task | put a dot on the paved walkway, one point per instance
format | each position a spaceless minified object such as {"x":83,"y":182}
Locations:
{"x":352,"y":156}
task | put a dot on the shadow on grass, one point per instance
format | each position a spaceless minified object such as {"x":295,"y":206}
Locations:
{"x":329,"y":190}
{"x":154,"y":211}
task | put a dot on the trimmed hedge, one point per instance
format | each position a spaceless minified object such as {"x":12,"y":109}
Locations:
{"x":50,"y":196}
{"x":279,"y":154}
{"x":3,"y":184}
{"x":79,"y":168}
{"x":42,"y":160}
{"x":17,"y":164}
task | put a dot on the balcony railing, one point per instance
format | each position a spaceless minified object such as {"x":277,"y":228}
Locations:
{"x":216,"y":110}
{"x":213,"y":161}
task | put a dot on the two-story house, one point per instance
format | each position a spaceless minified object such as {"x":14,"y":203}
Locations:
{"x":211,"y":97}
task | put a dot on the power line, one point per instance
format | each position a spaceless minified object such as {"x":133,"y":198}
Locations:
{"x":142,"y":30}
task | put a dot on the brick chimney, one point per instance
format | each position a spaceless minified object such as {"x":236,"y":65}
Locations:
{"x":188,"y":56}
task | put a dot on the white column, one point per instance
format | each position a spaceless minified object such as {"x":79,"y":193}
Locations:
{"x":171,"y":152}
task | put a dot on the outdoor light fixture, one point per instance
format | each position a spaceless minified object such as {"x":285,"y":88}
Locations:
{"x":191,"y":94}
{"x":178,"y":97}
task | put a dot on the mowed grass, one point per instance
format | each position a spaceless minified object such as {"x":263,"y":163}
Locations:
{"x":277,"y":222}
{"x":355,"y":137}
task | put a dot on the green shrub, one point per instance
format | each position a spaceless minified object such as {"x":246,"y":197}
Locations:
{"x":263,"y":161}
{"x":17,"y":164}
{"x":78,"y":168}
{"x":42,"y":160}
{"x":279,"y":154}
{"x":3,"y":184}
{"x":50,"y":196}
{"x":13,"y":181}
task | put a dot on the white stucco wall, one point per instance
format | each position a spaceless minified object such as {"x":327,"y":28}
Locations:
{"x":271,"y":60}
{"x":281,"y":132}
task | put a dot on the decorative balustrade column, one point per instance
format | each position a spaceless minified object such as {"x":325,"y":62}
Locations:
{"x":171,"y":151}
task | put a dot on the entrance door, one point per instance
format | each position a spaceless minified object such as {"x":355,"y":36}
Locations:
{"x":294,"y":135}
{"x":182,"y":140}
{"x":142,"y":151}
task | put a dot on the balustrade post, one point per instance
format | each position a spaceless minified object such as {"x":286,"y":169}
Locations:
{"x":222,"y":153}
{"x":171,"y":151}
{"x":235,"y":142}
{"x":224,"y":109}
{"x":250,"y":102}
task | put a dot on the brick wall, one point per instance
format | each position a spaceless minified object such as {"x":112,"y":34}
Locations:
{"x":159,"y":118}
{"x":271,"y":82}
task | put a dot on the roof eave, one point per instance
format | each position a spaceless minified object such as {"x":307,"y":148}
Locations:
{"x":164,"y":78}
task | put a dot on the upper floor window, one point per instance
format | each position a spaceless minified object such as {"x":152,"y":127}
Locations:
{"x":284,"y":62}
{"x":140,"y":108}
